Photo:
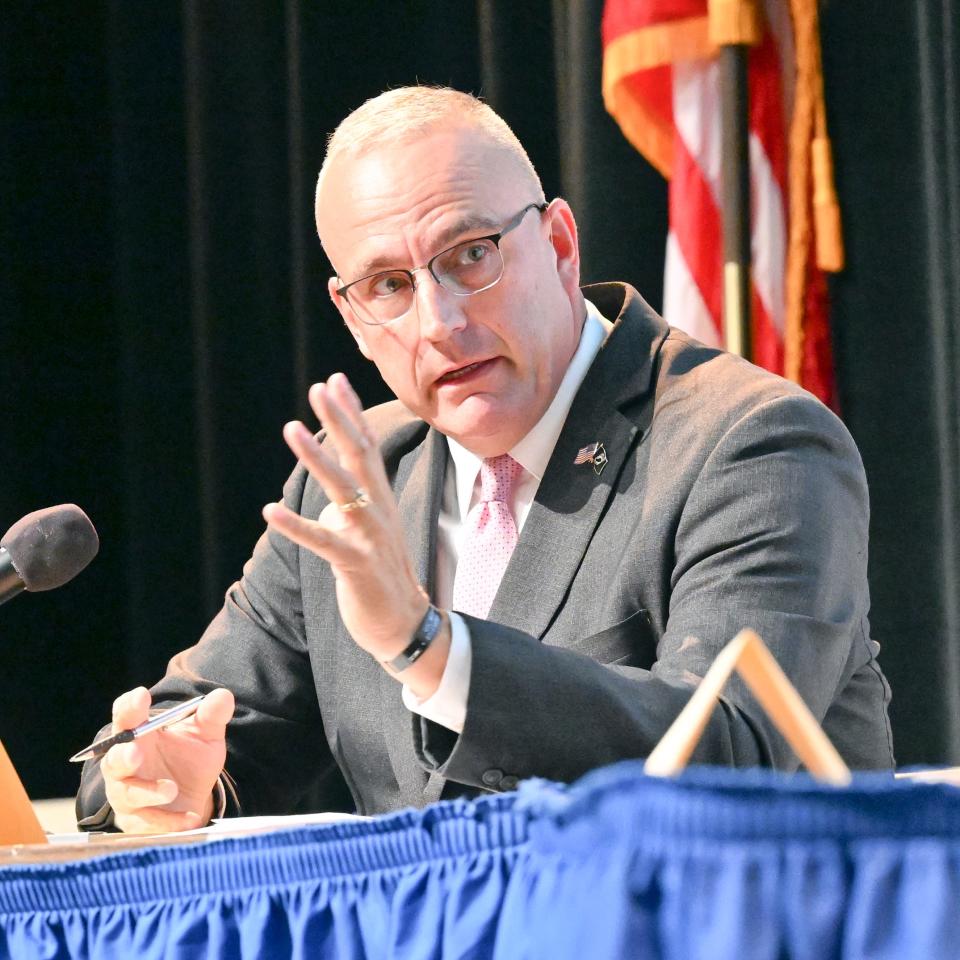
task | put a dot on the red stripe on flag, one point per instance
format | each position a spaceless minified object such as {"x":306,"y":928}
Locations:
{"x":654,"y":88}
{"x":695,"y":220}
{"x":816,"y":366}
{"x":627,"y":15}
{"x":767,"y":112}
{"x":767,"y":345}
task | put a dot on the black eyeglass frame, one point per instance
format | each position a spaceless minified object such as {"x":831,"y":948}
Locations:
{"x":494,"y":238}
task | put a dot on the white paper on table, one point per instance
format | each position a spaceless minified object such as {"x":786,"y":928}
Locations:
{"x":216,"y":830}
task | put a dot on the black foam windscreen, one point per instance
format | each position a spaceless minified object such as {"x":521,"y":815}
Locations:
{"x":51,"y":546}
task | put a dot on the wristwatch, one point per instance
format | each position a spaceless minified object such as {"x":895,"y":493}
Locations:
{"x":423,"y":636}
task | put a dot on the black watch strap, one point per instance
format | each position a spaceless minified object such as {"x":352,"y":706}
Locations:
{"x":423,"y":636}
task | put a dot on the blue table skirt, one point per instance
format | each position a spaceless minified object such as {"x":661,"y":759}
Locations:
{"x":716,"y":864}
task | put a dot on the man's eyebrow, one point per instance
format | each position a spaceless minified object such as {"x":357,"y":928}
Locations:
{"x":465,"y":226}
{"x":474,"y":224}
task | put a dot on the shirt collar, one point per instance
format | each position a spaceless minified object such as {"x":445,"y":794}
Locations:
{"x":533,"y":451}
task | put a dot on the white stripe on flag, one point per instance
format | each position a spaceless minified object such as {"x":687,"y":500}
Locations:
{"x":683,"y":304}
{"x":696,"y":115}
{"x":768,"y":235}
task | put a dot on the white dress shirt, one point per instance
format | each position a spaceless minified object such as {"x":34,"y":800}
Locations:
{"x":448,"y":704}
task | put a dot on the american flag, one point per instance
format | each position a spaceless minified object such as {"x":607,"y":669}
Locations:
{"x":586,"y":454}
{"x":661,"y":84}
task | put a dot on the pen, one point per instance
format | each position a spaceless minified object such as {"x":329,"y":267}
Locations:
{"x":163,"y":719}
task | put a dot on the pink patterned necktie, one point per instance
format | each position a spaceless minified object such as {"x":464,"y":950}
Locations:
{"x":489,"y":536}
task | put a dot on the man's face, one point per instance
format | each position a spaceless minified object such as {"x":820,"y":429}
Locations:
{"x":482,"y":368}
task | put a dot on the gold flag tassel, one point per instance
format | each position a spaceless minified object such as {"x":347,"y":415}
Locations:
{"x":826,"y":207}
{"x":810,"y":160}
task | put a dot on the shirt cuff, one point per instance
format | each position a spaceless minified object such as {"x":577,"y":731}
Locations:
{"x":448,"y":704}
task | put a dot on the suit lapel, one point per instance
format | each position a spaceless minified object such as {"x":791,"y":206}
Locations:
{"x":419,"y":483}
{"x":419,"y":488}
{"x":614,"y":406}
{"x":561,"y":523}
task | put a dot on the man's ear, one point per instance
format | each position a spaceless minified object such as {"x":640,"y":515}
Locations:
{"x":563,"y":238}
{"x":353,"y":325}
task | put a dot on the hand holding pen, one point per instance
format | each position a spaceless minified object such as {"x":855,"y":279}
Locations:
{"x":161,"y":779}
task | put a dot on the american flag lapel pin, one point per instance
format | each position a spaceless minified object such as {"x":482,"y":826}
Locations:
{"x":592,"y":453}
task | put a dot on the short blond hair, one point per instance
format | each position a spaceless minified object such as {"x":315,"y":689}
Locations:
{"x":406,"y":113}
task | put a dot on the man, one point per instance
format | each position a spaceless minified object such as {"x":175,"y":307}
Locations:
{"x":656,"y":497}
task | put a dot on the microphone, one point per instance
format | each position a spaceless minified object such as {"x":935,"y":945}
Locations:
{"x":45,"y":549}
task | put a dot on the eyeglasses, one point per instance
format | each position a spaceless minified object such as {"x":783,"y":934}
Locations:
{"x":464,"y":269}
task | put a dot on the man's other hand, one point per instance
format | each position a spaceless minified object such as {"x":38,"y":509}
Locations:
{"x":163,"y":782}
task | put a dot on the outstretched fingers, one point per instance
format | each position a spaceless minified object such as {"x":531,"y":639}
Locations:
{"x":339,"y":409}
{"x":339,"y":484}
{"x":359,"y":532}
{"x":307,"y":533}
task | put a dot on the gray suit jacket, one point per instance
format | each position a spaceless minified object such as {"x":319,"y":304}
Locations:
{"x":731,"y":498}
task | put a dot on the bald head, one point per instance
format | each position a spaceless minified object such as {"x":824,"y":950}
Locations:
{"x":408,"y":114}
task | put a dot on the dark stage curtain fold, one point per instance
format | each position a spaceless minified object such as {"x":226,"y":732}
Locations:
{"x":163,"y":299}
{"x":894,"y":112}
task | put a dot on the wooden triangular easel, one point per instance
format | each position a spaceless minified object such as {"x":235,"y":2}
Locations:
{"x":748,"y":655}
{"x":18,"y":822}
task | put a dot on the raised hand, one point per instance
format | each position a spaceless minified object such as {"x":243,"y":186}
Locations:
{"x":359,"y":532}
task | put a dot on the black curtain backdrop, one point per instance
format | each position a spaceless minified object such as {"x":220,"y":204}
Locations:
{"x":163,"y":303}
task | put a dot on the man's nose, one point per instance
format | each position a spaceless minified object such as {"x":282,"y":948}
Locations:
{"x":439,"y":311}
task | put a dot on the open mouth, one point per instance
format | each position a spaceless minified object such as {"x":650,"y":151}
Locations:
{"x":464,"y":373}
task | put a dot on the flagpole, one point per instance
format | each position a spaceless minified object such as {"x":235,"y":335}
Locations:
{"x":735,"y":180}
{"x":734,"y":26}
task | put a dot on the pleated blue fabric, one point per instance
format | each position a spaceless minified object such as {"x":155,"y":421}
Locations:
{"x":716,"y":864}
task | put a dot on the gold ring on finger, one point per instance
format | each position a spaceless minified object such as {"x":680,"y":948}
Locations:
{"x":360,"y":501}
